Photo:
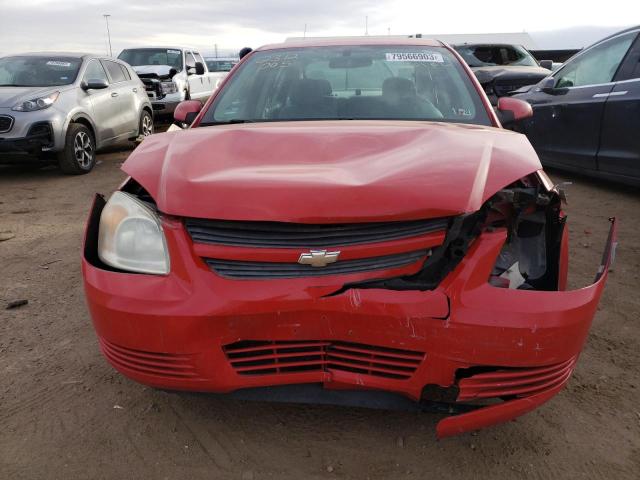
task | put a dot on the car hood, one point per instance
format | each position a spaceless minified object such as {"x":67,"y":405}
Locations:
{"x":333,"y":171}
{"x":160,"y":71}
{"x":11,"y":96}
{"x":487,"y":74}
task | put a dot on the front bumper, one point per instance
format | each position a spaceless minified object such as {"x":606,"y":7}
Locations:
{"x":462,"y":342}
{"x":33,"y":133}
{"x":161,"y":107}
{"x":39,"y":139}
{"x":165,"y":105}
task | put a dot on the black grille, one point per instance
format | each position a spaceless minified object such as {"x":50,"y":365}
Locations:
{"x":6,"y":123}
{"x":300,"y":235}
{"x":239,"y":269}
{"x":152,"y":85}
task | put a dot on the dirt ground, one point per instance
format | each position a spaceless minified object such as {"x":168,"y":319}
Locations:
{"x":65,"y":413}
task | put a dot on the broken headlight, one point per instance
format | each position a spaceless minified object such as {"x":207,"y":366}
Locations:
{"x":131,"y":236}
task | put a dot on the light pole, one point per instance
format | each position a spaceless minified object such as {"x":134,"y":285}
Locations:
{"x":106,"y":19}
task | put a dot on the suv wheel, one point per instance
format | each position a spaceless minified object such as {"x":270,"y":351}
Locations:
{"x":146,"y":124}
{"x":79,"y":154}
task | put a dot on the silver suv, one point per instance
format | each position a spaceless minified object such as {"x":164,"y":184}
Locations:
{"x":62,"y":107}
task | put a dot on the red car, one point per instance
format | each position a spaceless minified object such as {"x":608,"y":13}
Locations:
{"x":343,"y":220}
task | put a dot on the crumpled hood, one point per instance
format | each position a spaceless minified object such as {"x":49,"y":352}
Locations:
{"x":162,"y":71}
{"x":11,"y":96}
{"x":510,"y":73}
{"x":333,"y":171}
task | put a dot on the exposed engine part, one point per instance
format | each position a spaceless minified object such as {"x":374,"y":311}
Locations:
{"x":532,"y":217}
{"x":534,"y":224}
{"x":525,"y":255}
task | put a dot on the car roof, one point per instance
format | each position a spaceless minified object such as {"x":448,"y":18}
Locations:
{"x":485,"y":44}
{"x":162,"y":47}
{"x":224,"y":59}
{"x":53,"y":54}
{"x":355,"y":41}
{"x":626,"y":30}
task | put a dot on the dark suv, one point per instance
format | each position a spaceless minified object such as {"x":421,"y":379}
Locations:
{"x":502,"y":68}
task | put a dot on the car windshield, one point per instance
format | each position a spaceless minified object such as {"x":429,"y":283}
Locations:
{"x":348,"y":83}
{"x":492,"y":55}
{"x":152,"y":56}
{"x":217,"y":65}
{"x":38,"y":71}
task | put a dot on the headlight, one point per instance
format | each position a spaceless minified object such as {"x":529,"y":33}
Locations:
{"x":169,"y":87}
{"x":39,"y":103}
{"x":131,"y":237}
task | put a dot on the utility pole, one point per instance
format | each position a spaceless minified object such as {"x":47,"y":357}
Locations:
{"x":106,"y":19}
{"x":366,"y":25}
{"x":216,"y":48}
{"x":304,"y":35}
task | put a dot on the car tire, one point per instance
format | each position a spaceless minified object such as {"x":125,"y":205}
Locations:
{"x":145,"y":128}
{"x":79,"y":154}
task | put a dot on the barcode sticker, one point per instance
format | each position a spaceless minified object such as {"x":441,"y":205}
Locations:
{"x":415,"y":57}
{"x":55,"y":63}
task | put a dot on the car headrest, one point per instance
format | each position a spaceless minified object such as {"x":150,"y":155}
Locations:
{"x":399,"y":87}
{"x":310,"y":90}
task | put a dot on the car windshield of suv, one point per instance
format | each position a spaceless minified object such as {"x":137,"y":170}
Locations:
{"x":152,"y":56}
{"x":220,"y":65}
{"x":36,"y":71}
{"x":492,"y":55}
{"x":349,"y":83}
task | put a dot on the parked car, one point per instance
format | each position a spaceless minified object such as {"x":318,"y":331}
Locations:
{"x":171,"y":75}
{"x":62,"y":107}
{"x":220,"y":67}
{"x":348,"y":215}
{"x":503,"y":68}
{"x":221,"y":64}
{"x":587,"y":114}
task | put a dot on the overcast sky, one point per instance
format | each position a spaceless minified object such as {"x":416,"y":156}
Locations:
{"x":28,"y":25}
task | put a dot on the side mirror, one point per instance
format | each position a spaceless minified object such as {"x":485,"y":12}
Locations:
{"x":548,"y":64}
{"x":511,"y":110}
{"x":187,"y":111}
{"x":94,"y":84}
{"x":199,"y":68}
{"x":547,"y":85}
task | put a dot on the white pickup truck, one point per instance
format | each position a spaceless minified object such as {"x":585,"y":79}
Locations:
{"x":170,"y":75}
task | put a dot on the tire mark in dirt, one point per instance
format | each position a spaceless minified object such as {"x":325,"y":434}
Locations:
{"x":211,"y":446}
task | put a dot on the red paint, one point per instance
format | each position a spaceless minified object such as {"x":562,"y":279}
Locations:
{"x":186,"y":107}
{"x":179,"y":331}
{"x":518,"y":108}
{"x":192,"y":313}
{"x":369,"y":170}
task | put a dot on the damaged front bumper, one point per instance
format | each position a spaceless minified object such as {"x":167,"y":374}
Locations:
{"x":464,"y":342}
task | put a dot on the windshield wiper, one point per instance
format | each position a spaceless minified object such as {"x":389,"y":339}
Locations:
{"x":228,"y":122}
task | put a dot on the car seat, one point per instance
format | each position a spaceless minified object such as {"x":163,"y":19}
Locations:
{"x":310,"y":98}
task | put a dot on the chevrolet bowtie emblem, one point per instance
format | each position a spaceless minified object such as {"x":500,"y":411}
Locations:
{"x":318,"y":258}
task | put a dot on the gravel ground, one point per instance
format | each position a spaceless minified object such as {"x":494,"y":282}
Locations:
{"x":65,"y":413}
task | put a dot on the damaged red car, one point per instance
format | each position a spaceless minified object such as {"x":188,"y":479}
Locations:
{"x":343,"y":221}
